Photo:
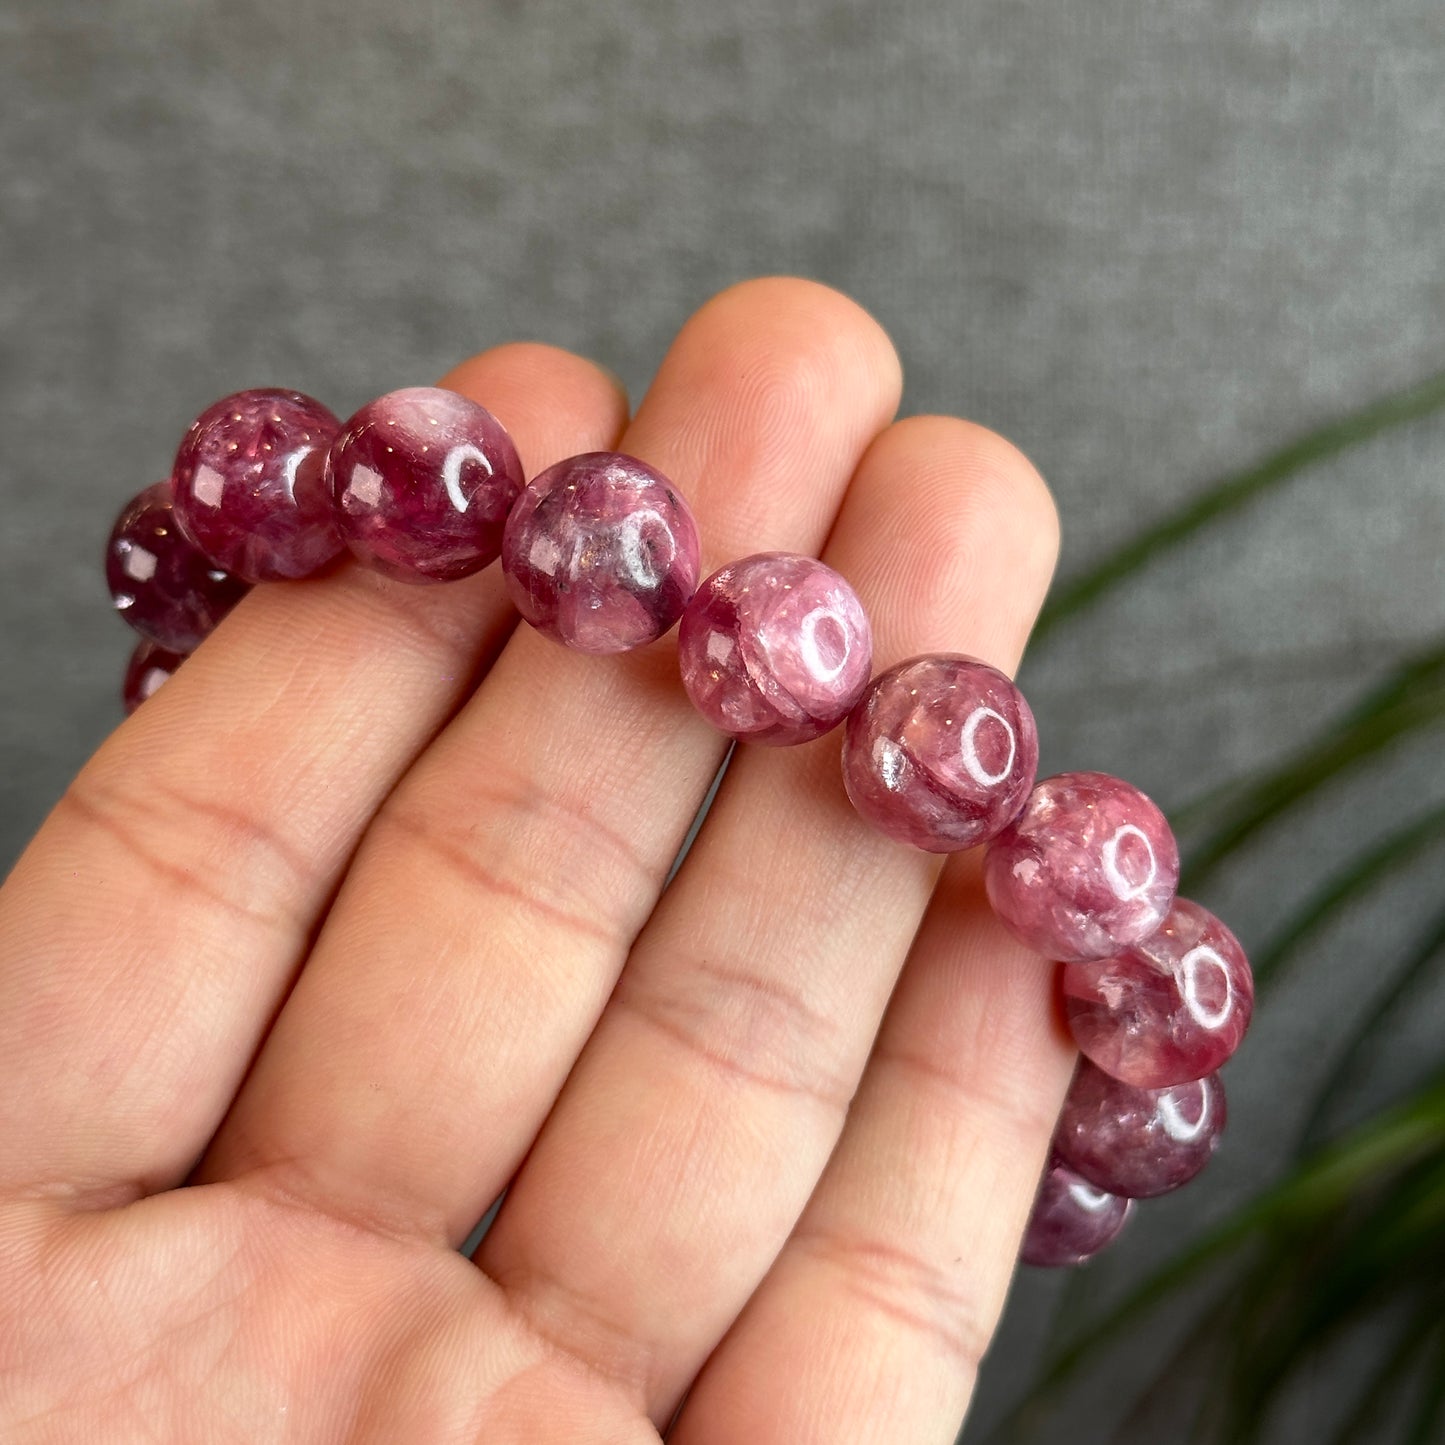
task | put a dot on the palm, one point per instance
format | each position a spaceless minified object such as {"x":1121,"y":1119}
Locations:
{"x":217,"y":1315}
{"x":768,"y":1137}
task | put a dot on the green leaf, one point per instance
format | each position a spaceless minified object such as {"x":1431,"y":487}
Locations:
{"x":1430,"y":1413}
{"x":1428,"y":954}
{"x":1316,"y":1189}
{"x":1411,"y":698}
{"x":1418,"y":1333}
{"x":1232,"y":492}
{"x":1357,"y":877}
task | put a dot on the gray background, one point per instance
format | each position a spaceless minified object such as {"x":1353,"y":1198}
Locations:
{"x":1146,"y":241}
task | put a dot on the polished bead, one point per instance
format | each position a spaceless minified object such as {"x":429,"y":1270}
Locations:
{"x":1088,"y":868}
{"x":601,"y":553}
{"x":775,"y":648}
{"x":248,"y":485}
{"x":422,"y":481}
{"x":166,"y":589}
{"x":941,"y":752}
{"x":1138,"y":1142}
{"x":1071,"y":1219}
{"x":148,"y":668}
{"x":1171,"y":1009}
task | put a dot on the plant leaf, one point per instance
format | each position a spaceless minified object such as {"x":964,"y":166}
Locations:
{"x":1232,"y":492}
{"x":1315,"y":1189}
{"x":1413,"y":698}
{"x":1354,"y":879}
{"x":1419,"y":1331}
{"x":1417,"y":971}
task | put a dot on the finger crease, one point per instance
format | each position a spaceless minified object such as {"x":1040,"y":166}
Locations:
{"x":906,"y":1289}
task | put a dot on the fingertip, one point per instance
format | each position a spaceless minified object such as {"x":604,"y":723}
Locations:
{"x":553,"y":402}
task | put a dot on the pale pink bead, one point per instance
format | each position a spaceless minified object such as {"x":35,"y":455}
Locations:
{"x":1138,"y":1142}
{"x":1071,"y":1220}
{"x":1171,"y":1009}
{"x":601,"y":553}
{"x":1088,"y":868}
{"x":941,"y":752}
{"x":775,"y":648}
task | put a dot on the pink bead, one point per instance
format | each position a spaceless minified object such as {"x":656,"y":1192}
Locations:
{"x":1171,"y":1009}
{"x":601,"y":553}
{"x":248,"y":485}
{"x":775,"y":648}
{"x":941,"y":752}
{"x":422,"y":481}
{"x":158,"y":581}
{"x":149,"y":667}
{"x":1089,"y":868}
{"x":1138,"y":1142}
{"x":1071,"y":1219}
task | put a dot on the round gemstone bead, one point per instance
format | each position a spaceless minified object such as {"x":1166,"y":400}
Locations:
{"x":249,"y":489}
{"x":941,"y":752}
{"x":775,"y":648}
{"x":1138,"y":1142}
{"x":1171,"y":1009}
{"x":422,"y":480}
{"x":601,"y":553}
{"x":166,"y":589}
{"x":1071,"y":1219}
{"x":149,"y":667}
{"x":1088,"y":868}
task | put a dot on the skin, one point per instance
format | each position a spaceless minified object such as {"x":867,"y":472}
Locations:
{"x":360,"y":921}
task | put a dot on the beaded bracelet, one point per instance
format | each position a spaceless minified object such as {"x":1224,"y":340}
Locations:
{"x":601,"y":553}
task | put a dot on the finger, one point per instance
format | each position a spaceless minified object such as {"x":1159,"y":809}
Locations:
{"x":150,"y":931}
{"x":495,"y":899}
{"x":902,"y":1260}
{"x":710,"y":1096}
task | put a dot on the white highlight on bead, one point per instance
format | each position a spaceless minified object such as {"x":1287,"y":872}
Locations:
{"x":1199,"y":957}
{"x":644,"y":568}
{"x":890,"y":761}
{"x":207,"y":486}
{"x":1123,"y":890}
{"x":365,"y":485}
{"x":452,"y":466}
{"x":968,"y":745}
{"x":289,"y":469}
{"x":152,"y":680}
{"x":812,"y":654}
{"x":139,"y":564}
{"x":1087,"y":1197}
{"x":544,"y":555}
{"x":1176,"y":1126}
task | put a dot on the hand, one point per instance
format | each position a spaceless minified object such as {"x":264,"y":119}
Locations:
{"x":360,"y":921}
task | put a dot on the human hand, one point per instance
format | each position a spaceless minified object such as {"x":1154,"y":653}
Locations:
{"x":736,"y":1169}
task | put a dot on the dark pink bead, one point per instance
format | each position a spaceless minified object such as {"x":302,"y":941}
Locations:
{"x":941,"y":752}
{"x":148,"y":668}
{"x":1138,"y":1142}
{"x":775,"y":648}
{"x":249,"y":490}
{"x":1171,"y":1009}
{"x":601,"y":553}
{"x":422,"y":481}
{"x":1071,"y":1219}
{"x":167,"y":590}
{"x":1088,"y":868}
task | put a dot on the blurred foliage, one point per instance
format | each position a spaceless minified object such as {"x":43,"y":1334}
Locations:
{"x":1346,"y":1247}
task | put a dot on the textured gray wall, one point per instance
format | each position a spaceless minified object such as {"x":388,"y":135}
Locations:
{"x":1146,"y":241}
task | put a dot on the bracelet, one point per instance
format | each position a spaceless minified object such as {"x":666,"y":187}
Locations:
{"x":601,"y":553}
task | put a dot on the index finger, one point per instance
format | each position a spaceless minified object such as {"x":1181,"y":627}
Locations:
{"x":151,"y":930}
